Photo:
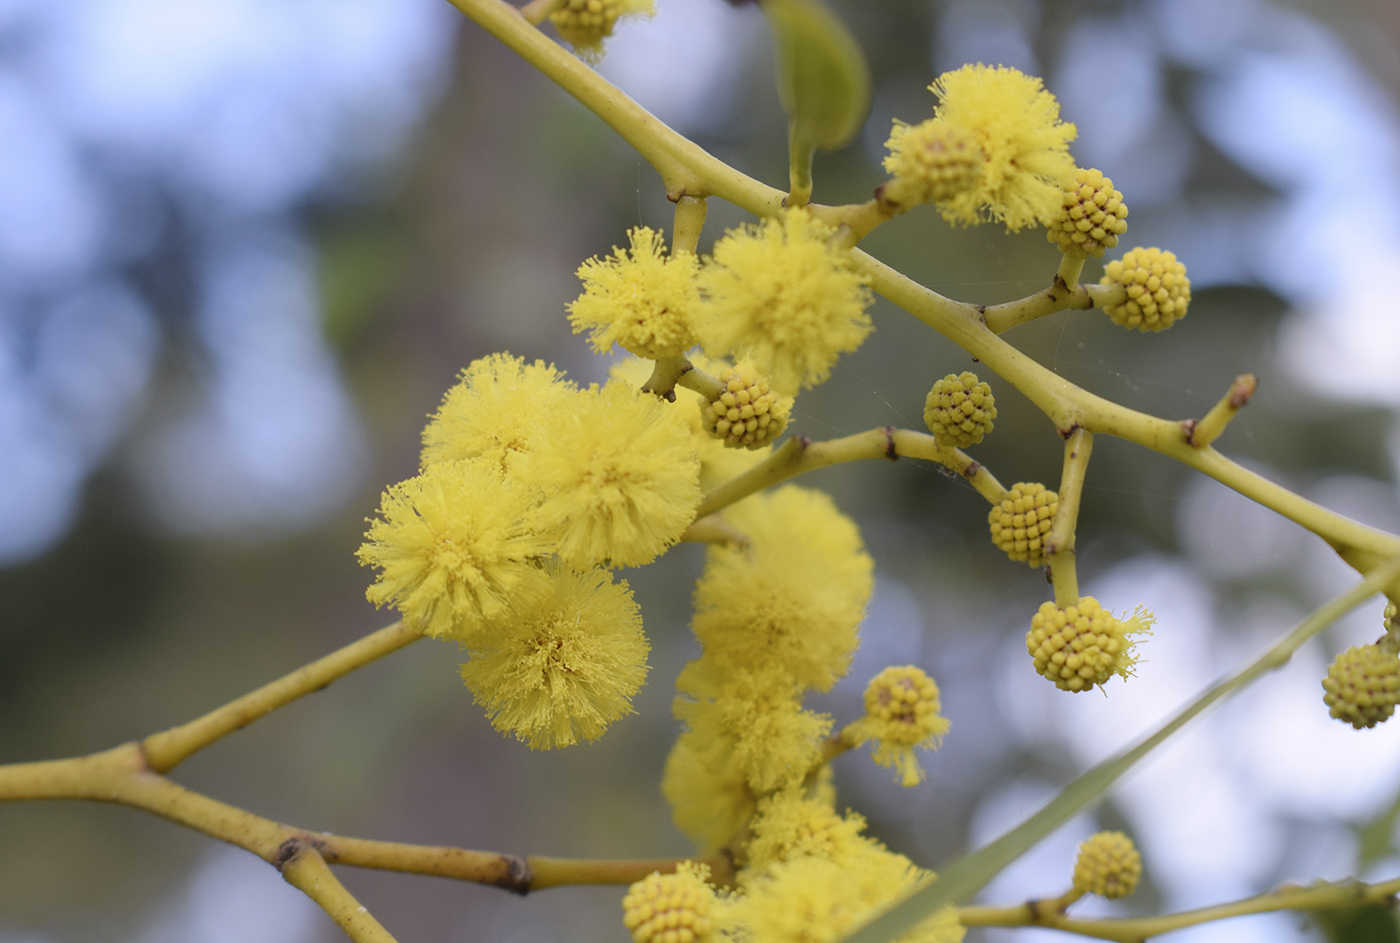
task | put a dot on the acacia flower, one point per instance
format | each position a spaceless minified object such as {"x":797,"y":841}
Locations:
{"x":619,"y":475}
{"x":709,"y":795}
{"x":641,"y":298}
{"x":584,"y":24}
{"x":901,"y":713}
{"x":794,"y":597}
{"x":778,"y":295}
{"x":453,"y":548}
{"x":561,"y":670}
{"x":670,"y":908}
{"x":1084,"y":644}
{"x":494,"y":410}
{"x":1017,"y":124}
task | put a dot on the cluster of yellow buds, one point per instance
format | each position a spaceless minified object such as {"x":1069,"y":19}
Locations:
{"x":746,"y":414}
{"x":1108,"y":865}
{"x":669,"y":908}
{"x":1157,"y":286}
{"x":1094,"y":217}
{"x":1083,"y":645}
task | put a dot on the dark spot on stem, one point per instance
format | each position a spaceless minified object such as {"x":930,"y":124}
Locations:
{"x":971,"y":470}
{"x":891,"y":452}
{"x":517,"y":877}
{"x":1188,"y":430}
{"x":1066,"y":433}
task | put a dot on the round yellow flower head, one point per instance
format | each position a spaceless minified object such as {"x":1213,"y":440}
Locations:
{"x":640,"y":298}
{"x":789,"y":825}
{"x":1363,"y":686}
{"x":708,"y":793}
{"x":901,"y":713}
{"x":1157,"y":286}
{"x":1084,"y":645}
{"x":619,"y":475}
{"x":747,"y":414}
{"x":453,"y":549}
{"x":584,"y":24}
{"x":959,"y":410}
{"x":1093,"y":217}
{"x":670,"y":908}
{"x":1108,"y":865}
{"x":779,"y":296}
{"x":754,"y":716}
{"x":1021,"y":522}
{"x":794,"y":597}
{"x":818,"y":900}
{"x":493,"y":411}
{"x":1016,"y":124}
{"x":561,"y":670}
{"x":931,"y":162}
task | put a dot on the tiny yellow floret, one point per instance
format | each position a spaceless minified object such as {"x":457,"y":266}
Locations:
{"x":779,"y":296}
{"x":1084,"y":645}
{"x":931,"y":162}
{"x":1108,"y":865}
{"x":1363,"y":686}
{"x":1157,"y":287}
{"x":563,"y":669}
{"x":901,"y":714}
{"x":1093,"y":216}
{"x":1016,"y":123}
{"x":641,"y":298}
{"x":670,"y":908}
{"x":959,"y":410}
{"x":453,"y":548}
{"x":1022,"y":521}
{"x":584,"y":24}
{"x":747,"y":414}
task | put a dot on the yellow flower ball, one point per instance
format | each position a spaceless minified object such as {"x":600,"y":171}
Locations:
{"x":1093,"y":218}
{"x":931,"y":162}
{"x":901,"y":713}
{"x":1363,"y":686}
{"x":584,"y":24}
{"x":1083,"y":645}
{"x":959,"y":410}
{"x":1108,"y":865}
{"x":1022,"y":520}
{"x":641,"y":299}
{"x":1157,"y":287}
{"x":669,"y":908}
{"x":747,"y":414}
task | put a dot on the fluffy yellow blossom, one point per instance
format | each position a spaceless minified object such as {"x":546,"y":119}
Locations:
{"x":563,"y":669}
{"x":794,"y":597}
{"x":790,"y":825}
{"x":641,"y":298}
{"x":584,"y":24}
{"x":619,"y":475}
{"x":931,"y":162}
{"x":778,"y":295}
{"x":901,"y":713}
{"x":453,"y":549}
{"x":493,"y":410}
{"x":709,"y":795}
{"x":1016,"y":122}
{"x":755,"y":714}
{"x":816,"y":900}
{"x":1084,"y":645}
{"x":670,"y":908}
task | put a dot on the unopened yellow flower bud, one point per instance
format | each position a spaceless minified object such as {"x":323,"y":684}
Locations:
{"x":1108,"y":865}
{"x":584,"y":24}
{"x":669,"y":908}
{"x":1094,"y":216}
{"x":959,"y":410}
{"x":931,"y":162}
{"x":1157,"y":286}
{"x":1363,"y":686}
{"x":747,"y":414}
{"x":1083,"y":645}
{"x":1021,"y":522}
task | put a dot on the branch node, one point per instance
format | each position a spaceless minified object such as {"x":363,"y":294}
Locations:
{"x":517,"y":877}
{"x":1202,"y":433}
{"x":891,"y":452}
{"x":971,"y":470}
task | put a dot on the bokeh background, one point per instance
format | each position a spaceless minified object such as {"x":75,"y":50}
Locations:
{"x":245,"y":246}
